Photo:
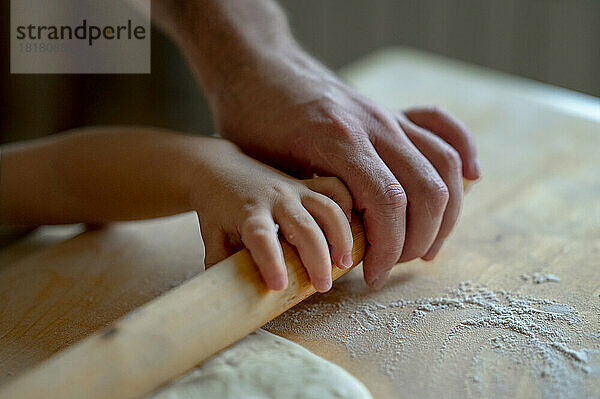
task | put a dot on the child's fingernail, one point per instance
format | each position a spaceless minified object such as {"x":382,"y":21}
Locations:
{"x":346,"y":261}
{"x":323,"y":284}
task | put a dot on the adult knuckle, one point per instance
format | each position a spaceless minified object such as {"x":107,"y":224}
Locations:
{"x":326,"y":116}
{"x":343,"y":133}
{"x":393,"y":197}
{"x":438,"y":194}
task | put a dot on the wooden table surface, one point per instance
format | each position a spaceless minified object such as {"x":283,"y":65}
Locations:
{"x":537,"y":209}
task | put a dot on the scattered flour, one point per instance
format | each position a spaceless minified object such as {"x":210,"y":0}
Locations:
{"x":543,"y":336}
{"x":539,"y":278}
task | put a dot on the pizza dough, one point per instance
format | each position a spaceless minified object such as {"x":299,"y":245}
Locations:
{"x":262,"y":366}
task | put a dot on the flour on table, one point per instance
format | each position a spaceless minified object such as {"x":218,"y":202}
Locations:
{"x":498,"y":330}
{"x":539,"y":278}
{"x":265,"y":366}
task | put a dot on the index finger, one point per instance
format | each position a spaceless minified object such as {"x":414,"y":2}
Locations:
{"x":453,"y":132}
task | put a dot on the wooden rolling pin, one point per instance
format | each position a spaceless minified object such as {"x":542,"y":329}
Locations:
{"x":173,"y":333}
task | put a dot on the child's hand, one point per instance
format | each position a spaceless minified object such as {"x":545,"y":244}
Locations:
{"x":247,"y":200}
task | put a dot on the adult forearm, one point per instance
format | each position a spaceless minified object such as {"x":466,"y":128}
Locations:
{"x":229,"y":42}
{"x":282,"y":107}
{"x":97,"y":175}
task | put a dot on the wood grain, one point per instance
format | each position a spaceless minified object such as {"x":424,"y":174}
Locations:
{"x":173,"y":333}
{"x":537,"y":208}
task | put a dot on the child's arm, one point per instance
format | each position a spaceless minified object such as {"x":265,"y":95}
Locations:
{"x":100,"y":175}
{"x":96,"y":175}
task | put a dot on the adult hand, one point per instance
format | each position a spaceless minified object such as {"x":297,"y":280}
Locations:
{"x":281,"y":106}
{"x":404,"y":169}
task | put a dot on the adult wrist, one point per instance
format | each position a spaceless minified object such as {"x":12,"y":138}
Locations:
{"x":227,"y":41}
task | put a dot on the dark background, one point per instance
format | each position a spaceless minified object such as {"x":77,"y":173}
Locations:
{"x":553,"y":41}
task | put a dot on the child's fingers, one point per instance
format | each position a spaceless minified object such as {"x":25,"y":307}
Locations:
{"x":301,"y":230}
{"x":333,"y":188}
{"x":332,"y":220}
{"x":259,"y":235}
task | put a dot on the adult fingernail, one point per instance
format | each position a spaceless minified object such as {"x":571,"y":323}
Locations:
{"x":322,"y":284}
{"x":347,"y":261}
{"x":476,"y":168}
{"x":380,"y":280}
{"x":433,"y":251}
{"x":277,"y":283}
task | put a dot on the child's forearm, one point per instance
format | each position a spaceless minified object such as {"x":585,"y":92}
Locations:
{"x":99,"y":175}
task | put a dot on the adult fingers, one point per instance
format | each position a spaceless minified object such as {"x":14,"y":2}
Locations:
{"x":453,"y":132}
{"x":447,"y":162}
{"x":382,"y":201}
{"x":259,"y":235}
{"x":334,"y":223}
{"x":301,"y":230}
{"x":426,"y":191}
